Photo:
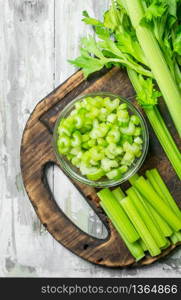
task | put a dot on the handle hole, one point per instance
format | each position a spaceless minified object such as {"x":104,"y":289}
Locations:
{"x":86,"y":246}
{"x":73,"y":204}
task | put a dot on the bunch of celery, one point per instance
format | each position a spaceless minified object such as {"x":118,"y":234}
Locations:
{"x":148,"y":218}
{"x":144,"y":37}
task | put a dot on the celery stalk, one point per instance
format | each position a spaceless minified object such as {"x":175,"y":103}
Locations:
{"x":145,"y":188}
{"x":143,"y":245}
{"x":162,"y":224}
{"x":139,"y":224}
{"x":145,"y":215}
{"x":134,"y":248}
{"x":159,"y":185}
{"x":159,"y":127}
{"x":133,"y":179}
{"x":118,"y":194}
{"x":165,"y":138}
{"x":156,"y":61}
{"x":121,"y":218}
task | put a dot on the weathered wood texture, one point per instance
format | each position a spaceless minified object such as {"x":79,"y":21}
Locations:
{"x":37,"y":151}
{"x":36,"y":38}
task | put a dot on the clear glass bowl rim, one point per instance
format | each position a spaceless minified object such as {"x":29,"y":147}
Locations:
{"x":66,"y":167}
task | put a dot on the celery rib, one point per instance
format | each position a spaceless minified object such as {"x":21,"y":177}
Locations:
{"x":156,"y":62}
{"x":133,"y":214}
{"x":145,"y":215}
{"x":122,"y":219}
{"x":156,"y":180}
{"x":134,"y":248}
{"x":158,"y":203}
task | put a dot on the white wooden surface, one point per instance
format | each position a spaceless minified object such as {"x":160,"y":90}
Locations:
{"x":36,"y":39}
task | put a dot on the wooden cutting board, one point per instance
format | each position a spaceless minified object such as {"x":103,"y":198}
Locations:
{"x":37,"y":152}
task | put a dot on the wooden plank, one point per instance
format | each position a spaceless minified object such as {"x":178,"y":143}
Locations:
{"x":27,"y":49}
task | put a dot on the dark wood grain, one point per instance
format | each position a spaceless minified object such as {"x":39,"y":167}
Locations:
{"x":37,"y":152}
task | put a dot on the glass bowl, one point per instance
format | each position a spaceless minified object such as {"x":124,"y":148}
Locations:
{"x":74,"y":172}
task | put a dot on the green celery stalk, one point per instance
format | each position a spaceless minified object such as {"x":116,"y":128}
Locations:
{"x":145,"y":188}
{"x":160,"y":186}
{"x":133,"y":179}
{"x":139,"y":224}
{"x":118,"y":193}
{"x":159,"y":127}
{"x":174,"y":239}
{"x":134,"y":248}
{"x":167,"y":244}
{"x":143,"y":245}
{"x":156,"y":61}
{"x":121,"y":218}
{"x":165,"y":138}
{"x":163,"y":226}
{"x":145,"y":215}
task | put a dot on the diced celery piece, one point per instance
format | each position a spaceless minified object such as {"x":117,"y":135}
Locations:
{"x":97,"y":153}
{"x":96,"y":175}
{"x":111,"y":118}
{"x":108,"y":164}
{"x":113,"y":135}
{"x":76,"y":139}
{"x":103,"y":114}
{"x":102,"y":142}
{"x":114,"y":174}
{"x":86,"y":158}
{"x":91,"y":143}
{"x":111,"y":105}
{"x":135,"y":119}
{"x":78,"y":121}
{"x":63,"y":144}
{"x":124,"y":169}
{"x":123,"y":106}
{"x":86,"y":170}
{"x":130,"y":130}
{"x":137,"y":131}
{"x":138,"y":140}
{"x":76,"y":162}
{"x":85,"y":137}
{"x":123,"y":114}
{"x":125,"y":138}
{"x":128,"y":159}
{"x":95,"y":123}
{"x":75,"y":150}
{"x":63,"y":131}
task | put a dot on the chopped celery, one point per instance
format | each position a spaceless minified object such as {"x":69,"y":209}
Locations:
{"x":96,"y":175}
{"x":108,"y":164}
{"x":95,"y":134}
{"x":118,"y":213}
{"x":114,"y":174}
{"x":140,"y":226}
